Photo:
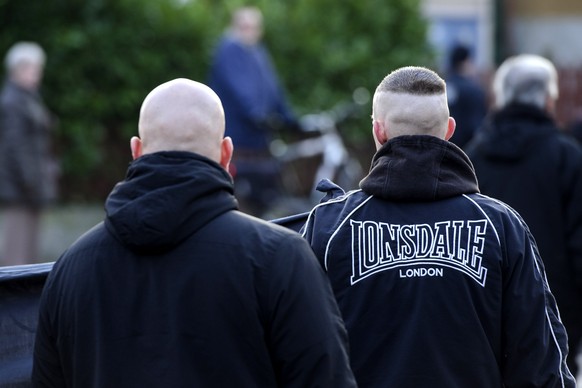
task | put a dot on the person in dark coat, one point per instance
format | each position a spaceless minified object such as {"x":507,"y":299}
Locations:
{"x":245,"y":79}
{"x":439,"y":286}
{"x":522,"y":158}
{"x":28,"y":168}
{"x":574,"y":128}
{"x":177,"y":288}
{"x":466,"y":97}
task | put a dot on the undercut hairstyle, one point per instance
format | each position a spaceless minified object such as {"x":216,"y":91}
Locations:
{"x":412,"y":101}
{"x":412,"y":80}
{"x":525,"y":79}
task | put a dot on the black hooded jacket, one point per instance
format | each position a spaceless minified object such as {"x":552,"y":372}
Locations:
{"x":179,"y":289}
{"x":439,"y":286}
{"x":521,"y":158}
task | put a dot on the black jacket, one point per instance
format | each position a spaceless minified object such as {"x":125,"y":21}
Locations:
{"x":438,"y":285}
{"x":179,"y":289}
{"x":28,"y":169}
{"x":523,"y":159}
{"x":467,"y":104}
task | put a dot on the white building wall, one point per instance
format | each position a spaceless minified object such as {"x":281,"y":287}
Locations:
{"x":559,"y":38}
{"x":461,"y":21}
{"x":536,"y":31}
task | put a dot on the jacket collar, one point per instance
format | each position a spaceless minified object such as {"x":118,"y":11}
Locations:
{"x":522,"y":112}
{"x":425,"y":168}
{"x":166,"y":197}
{"x":514,"y":132}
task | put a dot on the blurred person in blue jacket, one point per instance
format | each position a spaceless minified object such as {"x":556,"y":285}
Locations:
{"x":466,"y":97}
{"x":28,"y":169}
{"x":524,"y":159}
{"x":243,"y":76}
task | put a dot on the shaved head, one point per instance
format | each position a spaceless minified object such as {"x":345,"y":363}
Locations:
{"x":411,"y":101}
{"x":182,"y":115}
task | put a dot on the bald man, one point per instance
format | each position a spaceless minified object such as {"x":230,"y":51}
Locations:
{"x":177,"y":288}
{"x":438,"y":285}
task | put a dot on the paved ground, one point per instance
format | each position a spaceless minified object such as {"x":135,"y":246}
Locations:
{"x":62,"y":225}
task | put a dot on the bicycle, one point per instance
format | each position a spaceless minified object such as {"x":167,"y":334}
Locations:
{"x":325,"y":144}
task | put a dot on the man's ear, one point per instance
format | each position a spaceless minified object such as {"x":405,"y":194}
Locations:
{"x":451,"y":128}
{"x":226,"y":150}
{"x":379,"y":133}
{"x":136,"y":147}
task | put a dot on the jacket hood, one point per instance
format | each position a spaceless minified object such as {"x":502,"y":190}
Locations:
{"x":510,"y":133}
{"x":166,"y":197}
{"x":419,"y":168}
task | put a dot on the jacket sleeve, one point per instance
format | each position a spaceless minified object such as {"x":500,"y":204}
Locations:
{"x":46,"y":367}
{"x":282,"y":105}
{"x":324,"y":219}
{"x":306,"y":334}
{"x":534,"y":340}
{"x":314,"y":239}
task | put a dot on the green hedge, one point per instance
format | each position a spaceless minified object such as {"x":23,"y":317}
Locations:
{"x":104,"y":56}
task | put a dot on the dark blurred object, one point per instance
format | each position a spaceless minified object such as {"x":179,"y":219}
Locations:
{"x":575,"y":127}
{"x":294,"y":222}
{"x":466,"y":98}
{"x":20,"y":289}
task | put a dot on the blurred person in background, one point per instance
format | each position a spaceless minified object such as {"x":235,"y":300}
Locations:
{"x":523,"y":159}
{"x":28,"y":170}
{"x":466,"y":98}
{"x":243,"y":76}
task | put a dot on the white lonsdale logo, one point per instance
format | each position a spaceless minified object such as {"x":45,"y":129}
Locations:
{"x":379,"y":246}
